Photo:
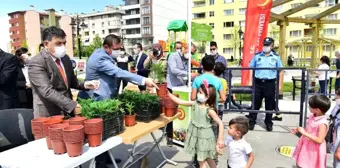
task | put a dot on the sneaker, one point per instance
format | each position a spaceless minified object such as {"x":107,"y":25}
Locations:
{"x":277,"y":118}
{"x":169,"y":143}
{"x":251,"y":126}
{"x":269,"y":128}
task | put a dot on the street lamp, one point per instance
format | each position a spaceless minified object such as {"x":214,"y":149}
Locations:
{"x":78,"y":22}
{"x":240,"y":35}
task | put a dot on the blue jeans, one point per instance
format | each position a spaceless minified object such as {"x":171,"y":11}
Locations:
{"x":323,"y":86}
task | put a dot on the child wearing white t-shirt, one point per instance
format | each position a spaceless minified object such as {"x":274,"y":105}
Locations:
{"x":240,"y":153}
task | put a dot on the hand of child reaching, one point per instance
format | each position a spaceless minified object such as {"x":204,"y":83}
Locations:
{"x":301,"y":130}
{"x":294,"y":131}
{"x":220,"y":143}
{"x":219,"y":150}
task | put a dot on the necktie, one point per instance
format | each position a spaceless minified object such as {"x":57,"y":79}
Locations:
{"x":61,"y":70}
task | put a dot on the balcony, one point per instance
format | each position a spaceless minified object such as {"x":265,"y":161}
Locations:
{"x":128,"y":7}
{"x":199,"y":15}
{"x":131,"y":26}
{"x":133,"y":36}
{"x":127,"y":17}
{"x":115,"y":26}
{"x":199,"y":4}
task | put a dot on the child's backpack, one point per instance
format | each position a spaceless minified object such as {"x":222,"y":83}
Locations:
{"x":329,"y":136}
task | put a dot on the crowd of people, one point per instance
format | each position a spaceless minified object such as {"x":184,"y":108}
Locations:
{"x":43,"y":83}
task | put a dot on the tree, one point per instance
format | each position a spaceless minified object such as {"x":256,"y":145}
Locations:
{"x":97,"y":42}
{"x":24,"y":44}
{"x":234,"y":41}
{"x":88,"y":50}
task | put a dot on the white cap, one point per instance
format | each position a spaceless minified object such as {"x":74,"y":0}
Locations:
{"x":337,"y":52}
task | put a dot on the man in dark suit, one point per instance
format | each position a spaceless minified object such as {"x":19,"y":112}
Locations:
{"x":139,"y":62}
{"x":8,"y":76}
{"x":52,"y":77}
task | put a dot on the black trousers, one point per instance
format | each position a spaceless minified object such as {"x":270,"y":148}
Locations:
{"x":170,"y":126}
{"x":264,"y":89}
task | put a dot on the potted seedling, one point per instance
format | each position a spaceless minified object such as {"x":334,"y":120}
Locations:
{"x":130,"y":117}
{"x":132,"y":67}
{"x":159,"y":72}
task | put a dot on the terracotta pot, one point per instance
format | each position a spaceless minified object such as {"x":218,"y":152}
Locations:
{"x":49,"y":144}
{"x":47,"y":124}
{"x":77,"y":121}
{"x":57,"y":117}
{"x":38,"y":127}
{"x":162,"y":90}
{"x":170,"y":112}
{"x":36,"y":137}
{"x":73,"y":134}
{"x":95,"y":139}
{"x":130,"y":120}
{"x":74,"y":149}
{"x":168,"y":103}
{"x":59,"y":147}
{"x":66,"y":121}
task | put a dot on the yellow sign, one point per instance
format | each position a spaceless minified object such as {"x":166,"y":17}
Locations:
{"x":285,"y":150}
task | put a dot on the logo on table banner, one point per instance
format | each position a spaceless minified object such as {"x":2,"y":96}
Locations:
{"x":181,"y":111}
{"x":286,"y":151}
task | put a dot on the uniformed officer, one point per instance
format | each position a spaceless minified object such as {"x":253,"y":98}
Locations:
{"x":265,"y":82}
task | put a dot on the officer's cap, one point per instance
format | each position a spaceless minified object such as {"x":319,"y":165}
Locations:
{"x":268,"y":41}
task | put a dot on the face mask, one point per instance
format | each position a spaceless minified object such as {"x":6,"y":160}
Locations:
{"x":179,"y":50}
{"x":214,"y":52}
{"x":186,"y":56}
{"x":115,"y":53}
{"x":60,"y":51}
{"x":24,"y":56}
{"x":201,"y":98}
{"x":266,"y":49}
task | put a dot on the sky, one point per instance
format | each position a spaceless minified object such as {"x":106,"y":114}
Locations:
{"x":69,"y":6}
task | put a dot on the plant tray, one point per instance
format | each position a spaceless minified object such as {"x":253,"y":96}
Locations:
{"x":149,"y":114}
{"x":113,"y":125}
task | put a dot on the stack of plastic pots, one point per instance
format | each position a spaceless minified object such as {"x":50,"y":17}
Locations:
{"x":56,"y":137}
{"x":74,"y":136}
{"x":76,"y":121}
{"x":47,"y":124}
{"x":38,"y":127}
{"x":94,"y":131}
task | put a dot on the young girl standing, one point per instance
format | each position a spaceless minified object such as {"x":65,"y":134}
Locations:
{"x":311,"y":148}
{"x":200,"y":139}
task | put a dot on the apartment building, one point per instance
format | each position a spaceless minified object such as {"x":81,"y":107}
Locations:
{"x":101,"y":23}
{"x":225,"y":17}
{"x":26,"y":28}
{"x":146,"y":21}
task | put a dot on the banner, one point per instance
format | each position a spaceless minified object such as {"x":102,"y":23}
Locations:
{"x":257,"y":20}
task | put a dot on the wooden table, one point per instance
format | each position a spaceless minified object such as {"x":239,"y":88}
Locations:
{"x":133,"y":134}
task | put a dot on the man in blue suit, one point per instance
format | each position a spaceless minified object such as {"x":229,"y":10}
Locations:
{"x":139,"y":62}
{"x":101,"y":66}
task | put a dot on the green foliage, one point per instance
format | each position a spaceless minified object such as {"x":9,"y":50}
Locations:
{"x":94,"y":109}
{"x":140,"y":100}
{"x":88,"y":50}
{"x":129,"y":108}
{"x":158,"y":70}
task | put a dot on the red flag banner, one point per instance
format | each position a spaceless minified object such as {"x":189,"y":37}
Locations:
{"x":257,"y":20}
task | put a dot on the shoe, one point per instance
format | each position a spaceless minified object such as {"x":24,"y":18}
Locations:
{"x":277,"y":118}
{"x":247,"y":116}
{"x":195,"y":164}
{"x":169,"y":143}
{"x":251,"y":126}
{"x":269,"y":128}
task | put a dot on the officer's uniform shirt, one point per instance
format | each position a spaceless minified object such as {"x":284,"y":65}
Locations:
{"x":262,"y":61}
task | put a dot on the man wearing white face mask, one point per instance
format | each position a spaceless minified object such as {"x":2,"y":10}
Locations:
{"x":52,"y":77}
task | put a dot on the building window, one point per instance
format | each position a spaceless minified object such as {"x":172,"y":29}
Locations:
{"x":212,"y":25}
{"x":16,"y":16}
{"x":332,"y":16}
{"x":309,"y":48}
{"x":103,"y":24}
{"x":16,"y":24}
{"x":329,"y":32}
{"x":228,"y":12}
{"x":228,"y":24}
{"x":93,"y":25}
{"x":146,"y":10}
{"x":242,"y":23}
{"x":330,"y":2}
{"x":295,"y":33}
{"x":228,"y":50}
{"x":294,"y":5}
{"x":146,"y":1}
{"x":103,"y":31}
{"x":146,"y":30}
{"x":93,"y":32}
{"x":228,"y":1}
{"x":242,"y":11}
{"x":146,"y":20}
{"x":211,"y":2}
{"x":227,"y":36}
{"x":211,"y":13}
{"x":294,"y":48}
{"x":87,"y":33}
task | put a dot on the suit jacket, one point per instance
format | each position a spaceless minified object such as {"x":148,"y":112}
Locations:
{"x":140,"y":67}
{"x":8,"y":77}
{"x":25,"y":94}
{"x":101,"y":66}
{"x":51,"y":96}
{"x":177,"y":68}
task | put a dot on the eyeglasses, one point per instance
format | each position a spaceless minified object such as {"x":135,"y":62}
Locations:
{"x":212,"y":49}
